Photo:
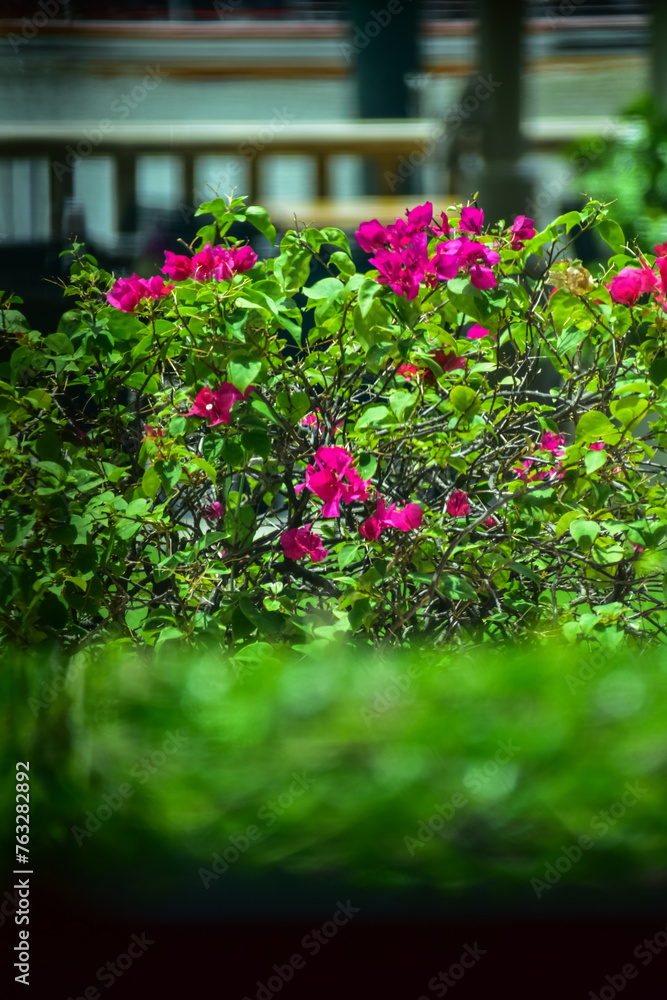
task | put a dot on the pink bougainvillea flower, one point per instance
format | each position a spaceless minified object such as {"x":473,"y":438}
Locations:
{"x":444,"y":226}
{"x":213,"y":511}
{"x":632,"y":282}
{"x":447,"y":360}
{"x":127,"y":293}
{"x":243,"y":258}
{"x":482,"y":277}
{"x":523,"y":471}
{"x":553,"y":443}
{"x":491,"y":522}
{"x":419,"y":217}
{"x":156,"y":287}
{"x":310,"y":419}
{"x":472,"y":220}
{"x":218,"y":262}
{"x":458,"y":505}
{"x":409,"y":371}
{"x":374,"y":525}
{"x":334,"y":479}
{"x":597,"y":445}
{"x":522,"y":229}
{"x":301,"y":542}
{"x":400,"y":271}
{"x":372,"y":236}
{"x":468,"y":254}
{"x":661,"y":249}
{"x":476,"y":332}
{"x":216,"y":404}
{"x":406,"y":519}
{"x":177,"y":266}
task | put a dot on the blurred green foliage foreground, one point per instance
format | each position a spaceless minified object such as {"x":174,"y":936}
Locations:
{"x":533,"y":769}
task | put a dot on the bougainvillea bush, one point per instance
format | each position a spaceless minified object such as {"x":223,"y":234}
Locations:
{"x":181,"y":459}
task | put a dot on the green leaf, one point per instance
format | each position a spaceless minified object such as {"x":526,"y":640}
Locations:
{"x":150,"y":482}
{"x":257,"y":442}
{"x":629,"y":410}
{"x":177,"y":425}
{"x":570,"y":339}
{"x":326,"y":289}
{"x":366,"y":465}
{"x":612,"y":234}
{"x":292,"y":268}
{"x":402,"y":402}
{"x":242,"y":369}
{"x":595,"y":426}
{"x":366,"y":295}
{"x":5,"y":429}
{"x":464,"y":400}
{"x":526,"y":571}
{"x":565,"y":521}
{"x":16,"y":529}
{"x":569,"y":219}
{"x":343,"y":262}
{"x":584,"y":532}
{"x":260,"y":219}
{"x":374,"y":415}
{"x":59,"y":343}
{"x":335,"y":237}
{"x":594,"y":460}
{"x":39,"y":398}
{"x":169,"y":472}
{"x":658,"y":370}
{"x":456,"y":588}
{"x":349,"y":554}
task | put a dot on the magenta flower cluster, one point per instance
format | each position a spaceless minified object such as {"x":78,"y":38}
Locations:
{"x":127,"y":293}
{"x":216,"y":404}
{"x":401,"y":250}
{"x":632,"y":282}
{"x":218,"y":262}
{"x":334,"y":480}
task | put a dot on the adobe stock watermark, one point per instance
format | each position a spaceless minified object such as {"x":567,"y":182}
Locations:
{"x":229,"y":178}
{"x":110,"y":803}
{"x":455,"y":117}
{"x":388,"y":696}
{"x":121,"y":108}
{"x":584,"y":157}
{"x":222,"y":7}
{"x":554,"y":14}
{"x":50,"y":689}
{"x":445,"y":979}
{"x":601,"y":823}
{"x":30,"y":26}
{"x":312,"y":943}
{"x":645,"y":951}
{"x":108,"y":973}
{"x":474,"y":781}
{"x":378,"y":20}
{"x":587,"y":669}
{"x":241,"y":842}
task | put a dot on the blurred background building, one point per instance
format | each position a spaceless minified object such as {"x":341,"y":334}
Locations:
{"x":118,"y":119}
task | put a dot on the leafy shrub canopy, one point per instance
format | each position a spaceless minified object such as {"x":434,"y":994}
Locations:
{"x":181,"y":459}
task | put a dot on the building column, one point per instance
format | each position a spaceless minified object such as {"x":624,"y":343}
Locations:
{"x":504,"y":187}
{"x":61,"y":190}
{"x":126,"y":192}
